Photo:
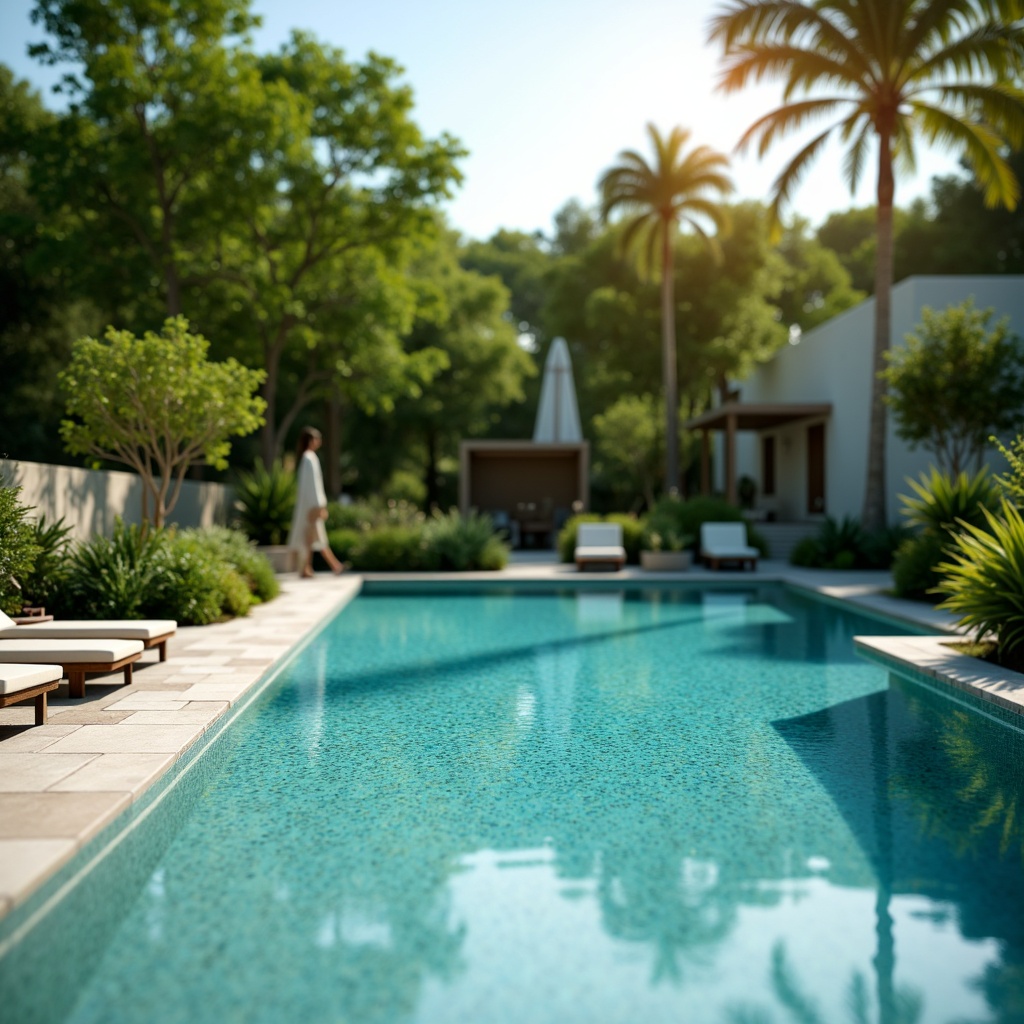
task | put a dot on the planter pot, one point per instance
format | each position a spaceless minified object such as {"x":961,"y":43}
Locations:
{"x":665,"y":561}
{"x":281,"y":557}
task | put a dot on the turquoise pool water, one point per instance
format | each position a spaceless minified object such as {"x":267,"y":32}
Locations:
{"x":594,"y":807}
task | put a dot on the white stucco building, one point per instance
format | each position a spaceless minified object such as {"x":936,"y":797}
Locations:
{"x":800,"y":422}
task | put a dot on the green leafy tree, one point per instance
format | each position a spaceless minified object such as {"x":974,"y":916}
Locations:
{"x":893,"y":71}
{"x":628,"y":439}
{"x":679,"y":187}
{"x":956,"y":382}
{"x":157,"y":405}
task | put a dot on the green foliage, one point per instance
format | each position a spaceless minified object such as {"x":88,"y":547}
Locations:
{"x":632,"y":534}
{"x":404,"y":485}
{"x":398,"y":548}
{"x":984,"y":580}
{"x":194,"y":586}
{"x":914,"y":568}
{"x":342,"y":541}
{"x":1012,"y":482}
{"x":236,"y":550}
{"x":264,"y":502}
{"x":847,"y":545}
{"x":629,"y":445}
{"x":955,"y":383}
{"x":158,"y":405}
{"x":944,"y":501}
{"x":458,"y":543}
{"x":372,"y":514}
{"x":116,"y":577}
{"x":45,"y":584}
{"x":684,"y":518}
{"x":18,"y":548}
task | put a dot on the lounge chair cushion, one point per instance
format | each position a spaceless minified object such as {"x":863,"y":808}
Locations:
{"x":68,"y":652}
{"x":21,"y":676}
{"x":725,"y":541}
{"x":599,"y":542}
{"x":100,"y":629}
{"x":609,"y":553}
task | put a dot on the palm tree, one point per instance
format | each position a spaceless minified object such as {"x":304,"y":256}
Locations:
{"x":678,"y":187}
{"x":890,"y":71}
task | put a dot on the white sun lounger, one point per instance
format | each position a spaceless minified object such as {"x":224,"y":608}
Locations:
{"x":152,"y":632}
{"x":75,"y":657}
{"x":726,"y":542}
{"x":20,"y":682}
{"x":599,"y":544}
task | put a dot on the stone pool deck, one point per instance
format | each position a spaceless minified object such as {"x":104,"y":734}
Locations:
{"x":62,"y":783}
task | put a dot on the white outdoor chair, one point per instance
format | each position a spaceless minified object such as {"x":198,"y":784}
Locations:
{"x":726,"y":542}
{"x":599,"y":544}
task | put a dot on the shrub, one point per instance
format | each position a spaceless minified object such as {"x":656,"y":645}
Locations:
{"x":401,"y":548}
{"x":264,"y":502}
{"x":114,"y":578}
{"x":943,"y":500}
{"x":194,"y":586}
{"x":914,"y":571}
{"x":806,"y":553}
{"x":984,"y":581}
{"x":458,"y":543}
{"x":342,"y":541}
{"x":371,"y":514}
{"x":234,"y":548}
{"x":46,"y":583}
{"x":18,"y":548}
{"x":1012,"y":482}
{"x":632,"y":534}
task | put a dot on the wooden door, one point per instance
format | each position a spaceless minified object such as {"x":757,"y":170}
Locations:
{"x":816,"y":469}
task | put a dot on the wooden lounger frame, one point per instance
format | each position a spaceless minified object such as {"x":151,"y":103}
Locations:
{"x":159,"y":642}
{"x":38,"y":692}
{"x":75,"y":671}
{"x":616,"y":561}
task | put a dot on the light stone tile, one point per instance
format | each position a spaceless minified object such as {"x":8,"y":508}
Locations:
{"x":34,"y":771}
{"x":24,"y":862}
{"x":128,"y":773}
{"x":124,"y":738}
{"x":210,"y":692}
{"x":154,"y":700}
{"x":38,"y":737}
{"x":207,"y":668}
{"x":198,"y":712}
{"x":58,"y":815}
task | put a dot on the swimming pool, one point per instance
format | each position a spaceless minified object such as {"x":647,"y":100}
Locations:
{"x":593,"y":806}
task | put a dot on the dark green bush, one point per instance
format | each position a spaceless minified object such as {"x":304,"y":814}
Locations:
{"x":234,"y":548}
{"x":806,"y":553}
{"x":18,"y":549}
{"x":264,"y":502}
{"x":632,"y":534}
{"x":457,"y":543}
{"x":398,"y":548}
{"x":194,"y":586}
{"x":846,"y":545}
{"x":684,"y":518}
{"x":914,"y":569}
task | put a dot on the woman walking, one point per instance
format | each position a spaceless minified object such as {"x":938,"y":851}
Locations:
{"x":307,"y":533}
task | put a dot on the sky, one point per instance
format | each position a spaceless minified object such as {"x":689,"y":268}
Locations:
{"x":545,"y":94}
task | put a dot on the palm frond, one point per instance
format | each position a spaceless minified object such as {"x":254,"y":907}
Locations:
{"x":791,"y":174}
{"x":1000,"y":106}
{"x":981,"y":147}
{"x":853,"y":162}
{"x":989,"y":49}
{"x":786,"y":119}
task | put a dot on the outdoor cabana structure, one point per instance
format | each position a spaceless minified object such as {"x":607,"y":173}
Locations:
{"x":733,"y":417}
{"x":530,"y":488}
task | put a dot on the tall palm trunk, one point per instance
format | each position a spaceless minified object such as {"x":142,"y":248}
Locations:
{"x":874,"y":513}
{"x":668,"y":347}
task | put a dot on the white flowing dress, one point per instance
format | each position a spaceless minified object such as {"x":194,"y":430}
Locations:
{"x":310,"y":495}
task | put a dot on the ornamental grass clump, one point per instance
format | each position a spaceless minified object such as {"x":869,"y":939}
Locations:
{"x":264,"y":502}
{"x":460,"y":543}
{"x":983,"y":581}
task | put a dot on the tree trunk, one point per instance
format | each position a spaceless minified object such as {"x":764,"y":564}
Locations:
{"x":268,"y":433}
{"x":173,"y":282}
{"x":874,"y":513}
{"x":668,"y":349}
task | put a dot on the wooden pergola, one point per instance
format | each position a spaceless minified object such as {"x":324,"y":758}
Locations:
{"x":734,"y":416}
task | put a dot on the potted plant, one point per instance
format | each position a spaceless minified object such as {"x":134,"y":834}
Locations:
{"x":665,"y":552}
{"x":264,"y":501}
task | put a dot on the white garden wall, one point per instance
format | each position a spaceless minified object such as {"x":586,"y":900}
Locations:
{"x":90,"y":500}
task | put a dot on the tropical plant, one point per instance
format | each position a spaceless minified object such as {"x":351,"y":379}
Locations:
{"x":678,"y":187}
{"x":914,"y":569}
{"x":18,"y":548}
{"x":984,"y":581}
{"x":44,"y":585}
{"x":115,"y":577}
{"x":945,"y":501}
{"x":894,"y":70}
{"x":264,"y":502}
